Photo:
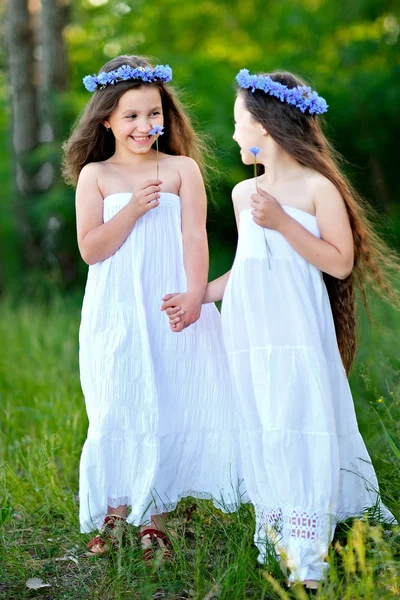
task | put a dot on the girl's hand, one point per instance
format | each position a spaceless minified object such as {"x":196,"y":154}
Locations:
{"x":267,"y":212}
{"x":182,"y":310}
{"x":174,"y":313}
{"x":145,"y":197}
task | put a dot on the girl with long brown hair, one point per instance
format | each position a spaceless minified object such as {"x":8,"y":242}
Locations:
{"x":289,"y":324}
{"x":160,"y":406}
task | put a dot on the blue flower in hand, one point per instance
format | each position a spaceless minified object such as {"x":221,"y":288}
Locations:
{"x":157,"y":130}
{"x":255,"y":150}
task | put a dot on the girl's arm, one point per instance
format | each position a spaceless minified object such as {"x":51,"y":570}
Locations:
{"x":333,"y":253}
{"x":98,"y":240}
{"x":216,"y":289}
{"x":194,"y":234}
{"x":187,"y":305}
{"x":214,"y":292}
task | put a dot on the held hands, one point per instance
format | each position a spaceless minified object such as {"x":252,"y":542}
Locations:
{"x":267,"y":212}
{"x":182,"y":310}
{"x":145,"y":197}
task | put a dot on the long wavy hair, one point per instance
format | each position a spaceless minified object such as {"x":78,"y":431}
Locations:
{"x":301,"y":136}
{"x":91,"y":142}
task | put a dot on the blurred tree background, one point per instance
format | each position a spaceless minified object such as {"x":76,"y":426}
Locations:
{"x":349,"y":51}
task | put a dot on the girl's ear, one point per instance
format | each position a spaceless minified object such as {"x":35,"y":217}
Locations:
{"x":259,"y":126}
{"x":107,"y":125}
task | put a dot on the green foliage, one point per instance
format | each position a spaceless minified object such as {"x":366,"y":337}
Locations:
{"x":348,"y":51}
{"x":42,"y":430}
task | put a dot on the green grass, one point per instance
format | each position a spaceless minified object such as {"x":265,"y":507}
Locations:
{"x":43,"y":426}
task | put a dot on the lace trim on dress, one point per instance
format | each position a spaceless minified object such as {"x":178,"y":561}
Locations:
{"x":116,"y":502}
{"x":158,"y":506}
{"x":307,"y":527}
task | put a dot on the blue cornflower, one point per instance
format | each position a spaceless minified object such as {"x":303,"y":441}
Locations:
{"x":157,"y":130}
{"x":104,"y":78}
{"x":90,"y":83}
{"x":255,"y":150}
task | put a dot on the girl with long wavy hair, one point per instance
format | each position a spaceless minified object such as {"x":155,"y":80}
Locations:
{"x":289,"y":323}
{"x":160,"y":406}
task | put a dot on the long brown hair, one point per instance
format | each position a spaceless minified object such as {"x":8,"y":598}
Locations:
{"x":300,"y":134}
{"x":90,"y":141}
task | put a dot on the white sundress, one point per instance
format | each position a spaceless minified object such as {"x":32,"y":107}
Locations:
{"x":161,"y":409}
{"x":305,"y":465}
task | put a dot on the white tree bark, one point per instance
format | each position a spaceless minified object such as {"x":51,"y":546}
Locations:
{"x":20,"y":55}
{"x":25,"y":125}
{"x":54,"y":19}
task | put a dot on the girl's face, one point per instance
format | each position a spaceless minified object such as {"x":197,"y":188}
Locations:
{"x":137,"y":111}
{"x":248,"y":132}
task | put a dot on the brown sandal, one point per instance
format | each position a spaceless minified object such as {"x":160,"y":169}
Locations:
{"x":109,"y":536}
{"x":154,"y":535}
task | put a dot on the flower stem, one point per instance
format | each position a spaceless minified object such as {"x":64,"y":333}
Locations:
{"x":158,"y":167}
{"x":255,"y":174}
{"x":269,"y":253}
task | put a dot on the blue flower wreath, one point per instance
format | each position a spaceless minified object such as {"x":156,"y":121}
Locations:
{"x":302,"y":96}
{"x":126,"y":73}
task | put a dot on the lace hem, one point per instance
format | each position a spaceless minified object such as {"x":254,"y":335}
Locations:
{"x":116,"y":502}
{"x":296,"y":524}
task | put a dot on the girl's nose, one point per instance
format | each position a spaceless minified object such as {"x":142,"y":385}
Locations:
{"x":144,"y":127}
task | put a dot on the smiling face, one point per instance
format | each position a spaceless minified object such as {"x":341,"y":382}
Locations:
{"x":137,"y":111}
{"x":248,"y":133}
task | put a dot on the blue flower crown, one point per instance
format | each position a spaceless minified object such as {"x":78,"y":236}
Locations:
{"x":301,"y":96}
{"x":125,"y":73}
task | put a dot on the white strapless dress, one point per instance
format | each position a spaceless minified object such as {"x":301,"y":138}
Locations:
{"x":305,"y":464}
{"x":161,"y":408}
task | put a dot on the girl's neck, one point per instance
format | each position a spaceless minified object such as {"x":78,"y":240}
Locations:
{"x":124,"y":157}
{"x":279,"y":165}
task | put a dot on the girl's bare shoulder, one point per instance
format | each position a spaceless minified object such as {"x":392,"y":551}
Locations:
{"x":314,"y":180}
{"x":92,"y":170}
{"x":323,"y":188}
{"x":179,"y":162}
{"x":183,"y":168}
{"x":243,"y":190}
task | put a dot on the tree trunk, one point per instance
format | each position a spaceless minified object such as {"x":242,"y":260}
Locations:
{"x":24,"y":100}
{"x":54,"y":70}
{"x":54,"y":19}
{"x":25,"y":125}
